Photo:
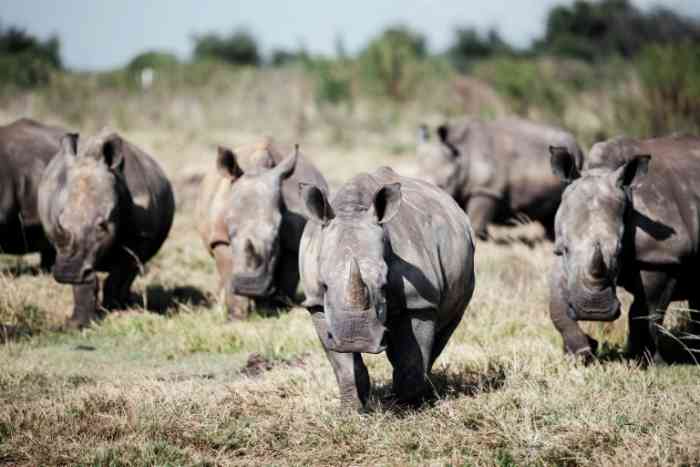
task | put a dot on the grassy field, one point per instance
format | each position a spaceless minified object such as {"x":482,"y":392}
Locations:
{"x":171,"y":382}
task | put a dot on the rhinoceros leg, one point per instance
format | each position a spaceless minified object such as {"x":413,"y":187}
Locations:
{"x":238,"y":307}
{"x":287,"y":274}
{"x":481,"y":211}
{"x":694,"y":318}
{"x":48,"y":258}
{"x":84,"y":304}
{"x":350,"y":371}
{"x":444,"y":335}
{"x":410,"y":351}
{"x":575,"y":340}
{"x":651,"y":298}
{"x":118,"y":283}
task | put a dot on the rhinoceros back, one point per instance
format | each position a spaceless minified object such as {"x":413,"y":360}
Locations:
{"x":432,"y":250}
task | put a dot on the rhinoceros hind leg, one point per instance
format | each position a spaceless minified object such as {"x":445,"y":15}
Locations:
{"x":84,"y":304}
{"x":482,"y":211}
{"x":118,"y":284}
{"x":48,"y":258}
{"x":410,"y":350}
{"x":653,"y":294}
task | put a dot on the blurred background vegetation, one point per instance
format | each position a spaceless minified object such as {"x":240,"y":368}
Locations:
{"x":600,"y":69}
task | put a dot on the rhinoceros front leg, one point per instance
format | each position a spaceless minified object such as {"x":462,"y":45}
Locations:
{"x":481,"y":210}
{"x":651,"y":298}
{"x":575,"y":340}
{"x":350,"y":371}
{"x":85,"y":303}
{"x":410,"y":351}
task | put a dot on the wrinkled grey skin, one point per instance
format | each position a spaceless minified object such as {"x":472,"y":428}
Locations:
{"x":265,"y":227}
{"x":388,"y":265}
{"x":107,"y":207}
{"x":498,"y":170}
{"x":260,"y":225}
{"x":26,"y":148}
{"x":621,"y":226}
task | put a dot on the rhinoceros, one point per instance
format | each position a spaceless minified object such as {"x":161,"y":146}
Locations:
{"x":387,"y":265}
{"x":26,"y":148}
{"x":250,"y":222}
{"x":498,"y":170}
{"x":628,"y":219}
{"x":106,"y":206}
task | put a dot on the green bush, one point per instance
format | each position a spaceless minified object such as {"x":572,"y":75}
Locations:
{"x":238,"y":48}
{"x":152,"y":59}
{"x":332,"y":79}
{"x":390,"y":64}
{"x":670,"y":79}
{"x":25,"y":61}
{"x":524,"y":82}
{"x":469,"y":45}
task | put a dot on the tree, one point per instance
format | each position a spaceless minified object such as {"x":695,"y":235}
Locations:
{"x":25,"y":60}
{"x":594,"y":30}
{"x":469,"y":45}
{"x":239,"y":48}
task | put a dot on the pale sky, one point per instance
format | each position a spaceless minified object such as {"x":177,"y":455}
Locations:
{"x":106,"y":34}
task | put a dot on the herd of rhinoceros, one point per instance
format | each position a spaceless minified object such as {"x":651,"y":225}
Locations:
{"x":387,"y":263}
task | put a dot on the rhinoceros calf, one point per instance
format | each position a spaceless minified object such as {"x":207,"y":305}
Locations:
{"x":498,"y":170}
{"x":388,"y":265}
{"x":107,"y":207}
{"x":628,"y":219}
{"x":26,"y":148}
{"x":250,"y":222}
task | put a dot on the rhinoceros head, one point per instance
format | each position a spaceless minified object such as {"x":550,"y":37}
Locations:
{"x":253,"y":220}
{"x":590,"y":228}
{"x":352,"y":268}
{"x":88,"y":205}
{"x":438,"y":159}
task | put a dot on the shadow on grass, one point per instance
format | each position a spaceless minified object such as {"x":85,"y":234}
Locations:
{"x":676,"y":347}
{"x":10,"y":332}
{"x":21,"y":268}
{"x":446,"y":383}
{"x":161,"y":300}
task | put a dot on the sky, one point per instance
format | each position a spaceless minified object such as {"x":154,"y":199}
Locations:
{"x":103,"y":34}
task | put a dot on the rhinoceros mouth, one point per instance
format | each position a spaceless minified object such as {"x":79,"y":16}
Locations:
{"x":253,"y":285}
{"x":356,"y":332}
{"x":590,"y":314}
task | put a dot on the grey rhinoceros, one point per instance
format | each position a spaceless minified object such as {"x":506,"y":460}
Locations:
{"x":498,"y":170}
{"x":106,"y":207}
{"x":249,"y":218}
{"x":387,"y":265}
{"x":628,"y":219}
{"x":26,"y":148}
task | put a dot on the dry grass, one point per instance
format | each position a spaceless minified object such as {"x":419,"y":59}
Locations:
{"x":170,"y":382}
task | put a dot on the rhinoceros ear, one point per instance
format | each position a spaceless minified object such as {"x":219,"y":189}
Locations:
{"x":563,"y":164}
{"x":386,"y":203}
{"x":315,"y":203}
{"x":69,"y":144}
{"x":112,"y":152}
{"x":636,"y":167}
{"x":227,"y":163}
{"x":286,"y":168}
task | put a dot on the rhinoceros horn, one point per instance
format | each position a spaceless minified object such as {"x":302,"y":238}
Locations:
{"x":356,"y":295}
{"x":597,"y":267}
